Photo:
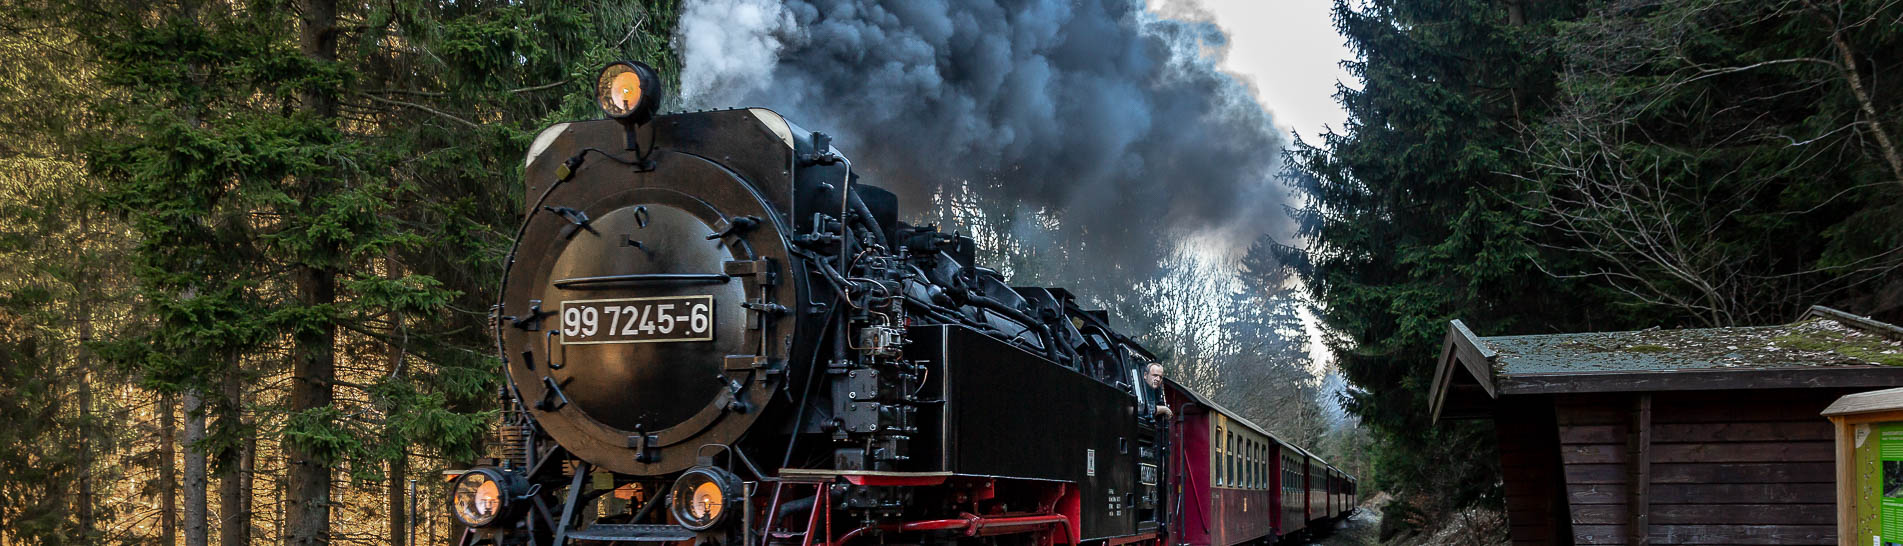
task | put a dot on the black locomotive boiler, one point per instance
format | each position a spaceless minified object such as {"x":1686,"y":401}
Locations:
{"x":716,"y":333}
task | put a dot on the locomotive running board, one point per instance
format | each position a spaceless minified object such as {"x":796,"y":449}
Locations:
{"x":611,"y":532}
{"x":868,"y":477}
{"x":886,"y":477}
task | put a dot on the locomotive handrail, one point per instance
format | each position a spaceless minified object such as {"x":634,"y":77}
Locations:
{"x":588,"y":283}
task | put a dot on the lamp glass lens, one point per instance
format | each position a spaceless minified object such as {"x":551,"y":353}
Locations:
{"x":619,"y":90}
{"x":478,"y":499}
{"x":707,"y":503}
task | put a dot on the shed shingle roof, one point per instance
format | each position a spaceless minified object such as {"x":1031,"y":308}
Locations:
{"x":1811,"y":342}
{"x":1825,"y":347}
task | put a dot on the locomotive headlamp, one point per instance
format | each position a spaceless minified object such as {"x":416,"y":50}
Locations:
{"x":482,"y":496}
{"x":628,"y":91}
{"x":703,"y":496}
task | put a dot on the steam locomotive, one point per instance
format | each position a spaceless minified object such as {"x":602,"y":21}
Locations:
{"x":716,"y":334}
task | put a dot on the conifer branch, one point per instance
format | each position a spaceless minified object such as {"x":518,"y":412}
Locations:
{"x":453,"y":117}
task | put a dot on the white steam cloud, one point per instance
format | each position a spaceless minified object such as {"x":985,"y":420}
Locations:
{"x":729,"y":48}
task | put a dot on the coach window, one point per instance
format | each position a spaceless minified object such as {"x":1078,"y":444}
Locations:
{"x":1262,"y":466}
{"x":1235,"y":474}
{"x":1222,"y":468}
{"x":1238,"y":477}
{"x":1222,"y":457}
{"x":1255,"y":473}
{"x":1258,"y":466}
{"x":1241,"y":463}
{"x":1263,"y":460}
{"x":1241,"y":455}
{"x":1229,"y":463}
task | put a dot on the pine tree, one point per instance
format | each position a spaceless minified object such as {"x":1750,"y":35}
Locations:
{"x":1407,"y":226}
{"x":57,"y":290}
{"x":340,"y":194}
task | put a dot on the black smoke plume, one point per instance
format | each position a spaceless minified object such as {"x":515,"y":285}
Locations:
{"x":1103,"y":114}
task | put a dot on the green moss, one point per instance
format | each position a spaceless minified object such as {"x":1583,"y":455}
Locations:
{"x":1648,"y":348}
{"x":1865,"y":347}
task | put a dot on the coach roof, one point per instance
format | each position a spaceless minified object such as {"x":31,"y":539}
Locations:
{"x":1233,"y":416}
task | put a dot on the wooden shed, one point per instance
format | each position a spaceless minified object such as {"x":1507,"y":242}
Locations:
{"x":1697,"y":436}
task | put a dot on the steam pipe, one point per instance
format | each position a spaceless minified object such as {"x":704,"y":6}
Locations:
{"x":1044,"y":332}
{"x":864,"y":212}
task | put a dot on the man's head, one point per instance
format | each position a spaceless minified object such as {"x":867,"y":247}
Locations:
{"x":1155,"y":376}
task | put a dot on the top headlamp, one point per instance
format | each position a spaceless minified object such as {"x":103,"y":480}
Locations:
{"x":628,"y":91}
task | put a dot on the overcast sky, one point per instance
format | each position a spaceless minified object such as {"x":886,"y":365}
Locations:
{"x":1290,"y":50}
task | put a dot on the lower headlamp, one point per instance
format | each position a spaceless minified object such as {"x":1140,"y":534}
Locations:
{"x":485,"y":495}
{"x":703,"y":497}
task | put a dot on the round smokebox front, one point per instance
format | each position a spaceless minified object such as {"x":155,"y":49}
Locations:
{"x":644,"y":280}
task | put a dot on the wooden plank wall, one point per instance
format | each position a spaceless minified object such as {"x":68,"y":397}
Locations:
{"x":1726,"y":467}
{"x":1529,"y":463}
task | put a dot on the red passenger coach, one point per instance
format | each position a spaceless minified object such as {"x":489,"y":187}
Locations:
{"x":1233,"y":482}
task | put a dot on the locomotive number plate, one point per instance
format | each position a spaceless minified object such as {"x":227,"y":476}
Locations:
{"x":638,"y":320}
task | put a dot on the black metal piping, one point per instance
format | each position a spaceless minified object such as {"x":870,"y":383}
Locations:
{"x":1044,"y":332}
{"x":585,"y":283}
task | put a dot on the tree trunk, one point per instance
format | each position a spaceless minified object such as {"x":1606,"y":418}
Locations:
{"x":247,"y":488}
{"x":84,"y":510}
{"x":83,"y":309}
{"x":277,"y":501}
{"x":168,"y":474}
{"x":399,"y":505}
{"x":307,"y":492}
{"x":307,"y":517}
{"x":396,"y":497}
{"x":197,"y":531}
{"x":234,"y":487}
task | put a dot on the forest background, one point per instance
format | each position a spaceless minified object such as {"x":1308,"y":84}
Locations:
{"x":247,"y":249}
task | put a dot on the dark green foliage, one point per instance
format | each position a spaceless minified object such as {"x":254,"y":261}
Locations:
{"x":39,"y":466}
{"x":1410,"y":226}
{"x":51,"y":263}
{"x":1730,"y":162}
{"x":1534,"y":167}
{"x":232,"y":187}
{"x":410,"y":194}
